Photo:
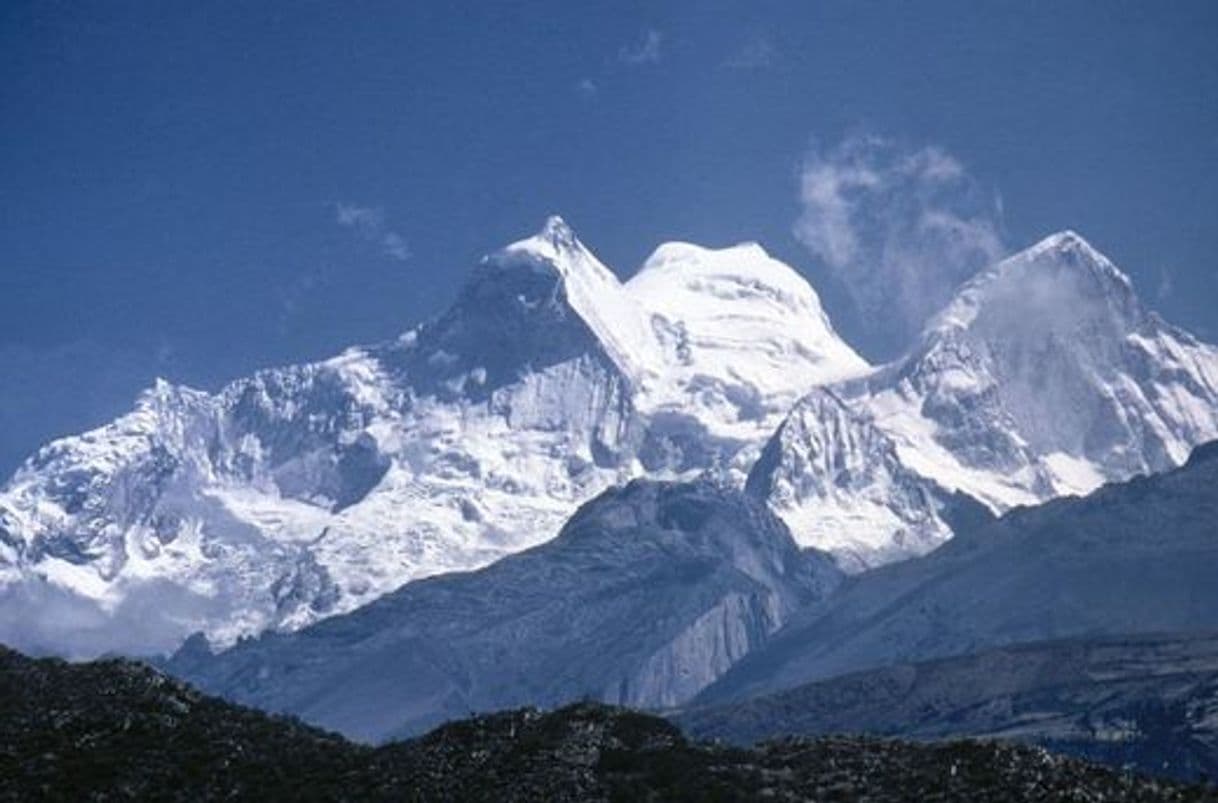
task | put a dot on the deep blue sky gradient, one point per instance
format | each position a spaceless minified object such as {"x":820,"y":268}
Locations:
{"x":169,"y":172}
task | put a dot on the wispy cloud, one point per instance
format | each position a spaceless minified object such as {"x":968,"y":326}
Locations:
{"x":586,"y":87}
{"x":645,"y":50}
{"x":1166,"y":285}
{"x":756,"y":53}
{"x":369,"y":224}
{"x":901,"y":228}
{"x":294,"y":296}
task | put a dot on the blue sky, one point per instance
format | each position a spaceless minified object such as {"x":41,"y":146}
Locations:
{"x":195,"y":190}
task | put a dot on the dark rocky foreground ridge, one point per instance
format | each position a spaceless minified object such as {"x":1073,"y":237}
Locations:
{"x":114,"y":730}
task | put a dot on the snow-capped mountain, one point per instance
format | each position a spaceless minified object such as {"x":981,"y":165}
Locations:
{"x":649,"y":593}
{"x":306,"y":491}
{"x":1043,"y":376}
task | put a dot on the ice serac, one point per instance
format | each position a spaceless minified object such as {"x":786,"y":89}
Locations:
{"x":1043,"y":376}
{"x":306,"y":491}
{"x":649,"y":593}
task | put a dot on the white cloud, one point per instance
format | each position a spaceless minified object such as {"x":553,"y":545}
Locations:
{"x":757,"y":52}
{"x":900,"y":228}
{"x":1166,"y":285}
{"x":394,"y":245}
{"x":586,"y":87}
{"x":645,"y":50}
{"x":369,"y":224}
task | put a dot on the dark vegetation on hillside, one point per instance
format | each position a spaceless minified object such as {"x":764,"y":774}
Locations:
{"x":115,"y":730}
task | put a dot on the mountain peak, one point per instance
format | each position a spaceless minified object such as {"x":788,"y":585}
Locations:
{"x":556,"y":231}
{"x":744,"y":318}
{"x":1065,"y":239}
{"x":552,"y":271}
{"x":555,"y":242}
{"x":1056,"y":283}
{"x":165,"y":395}
{"x":744,"y":268}
{"x":1069,"y":250}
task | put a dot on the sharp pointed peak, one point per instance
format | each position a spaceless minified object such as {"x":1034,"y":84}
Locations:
{"x":1066,"y":238}
{"x":552,"y":242}
{"x":557,"y":231}
{"x":1068,"y":241}
{"x":1062,"y":253}
{"x":1075,"y":252}
{"x":1062,"y":272}
{"x":553,"y":238}
{"x":162,"y":388}
{"x":162,"y":393}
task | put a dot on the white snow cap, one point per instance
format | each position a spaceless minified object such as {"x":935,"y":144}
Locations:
{"x":553,"y":238}
{"x":727,"y":302}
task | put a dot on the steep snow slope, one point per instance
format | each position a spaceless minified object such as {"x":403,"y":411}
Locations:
{"x":648,"y":594}
{"x":1044,"y":376}
{"x":1133,"y":557}
{"x":306,"y":491}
